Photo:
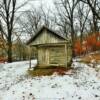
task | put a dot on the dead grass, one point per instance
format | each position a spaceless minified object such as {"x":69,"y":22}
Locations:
{"x":90,"y":57}
{"x":40,"y":72}
{"x":48,"y":71}
{"x":3,"y":59}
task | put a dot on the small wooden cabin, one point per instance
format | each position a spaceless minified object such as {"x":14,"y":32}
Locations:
{"x":52,"y":48}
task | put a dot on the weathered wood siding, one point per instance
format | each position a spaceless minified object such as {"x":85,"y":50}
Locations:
{"x":57,"y":55}
{"x":69,"y":54}
{"x":52,"y":50}
{"x":43,"y":56}
{"x":46,"y":37}
{"x":52,"y":55}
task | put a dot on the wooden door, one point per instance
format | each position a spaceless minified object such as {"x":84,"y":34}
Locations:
{"x":43,"y":56}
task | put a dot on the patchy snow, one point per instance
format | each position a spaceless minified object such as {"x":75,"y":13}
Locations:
{"x":83,"y":84}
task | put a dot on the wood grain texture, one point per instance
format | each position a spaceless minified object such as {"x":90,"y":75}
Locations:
{"x":53,"y":56}
{"x":45,"y":37}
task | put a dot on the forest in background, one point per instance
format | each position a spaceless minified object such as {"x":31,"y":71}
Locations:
{"x":78,"y":20}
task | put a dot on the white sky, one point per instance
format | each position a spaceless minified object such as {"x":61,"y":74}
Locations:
{"x":36,"y":3}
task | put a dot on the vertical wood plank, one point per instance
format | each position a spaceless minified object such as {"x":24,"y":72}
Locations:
{"x":29,"y":56}
{"x":66,"y":59}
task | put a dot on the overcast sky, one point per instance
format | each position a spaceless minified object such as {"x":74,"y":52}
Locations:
{"x":36,"y":3}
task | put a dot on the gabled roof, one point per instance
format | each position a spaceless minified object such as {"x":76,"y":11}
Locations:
{"x":50,"y":30}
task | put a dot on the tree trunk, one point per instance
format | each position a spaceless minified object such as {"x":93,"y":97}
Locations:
{"x":9,"y":49}
{"x":72,"y":36}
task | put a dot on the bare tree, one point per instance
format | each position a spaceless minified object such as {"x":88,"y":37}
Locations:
{"x":61,"y":22}
{"x":7,"y":16}
{"x":95,"y":8}
{"x":47,"y":18}
{"x":66,"y":9}
{"x":82,"y":18}
{"x":32,"y":20}
{"x":92,"y":4}
{"x":95,"y":17}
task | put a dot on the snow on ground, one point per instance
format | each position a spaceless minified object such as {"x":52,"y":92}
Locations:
{"x":83,"y":84}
